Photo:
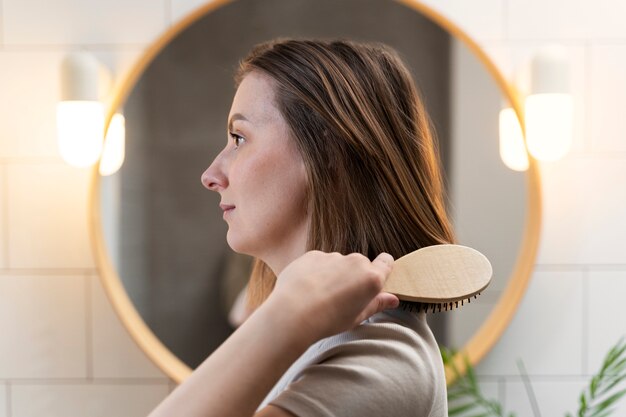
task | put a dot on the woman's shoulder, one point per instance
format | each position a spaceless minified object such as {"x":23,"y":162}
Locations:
{"x":388,"y":329}
{"x":390,"y":361}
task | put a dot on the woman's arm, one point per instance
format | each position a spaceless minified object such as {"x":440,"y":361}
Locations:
{"x":316,"y":296}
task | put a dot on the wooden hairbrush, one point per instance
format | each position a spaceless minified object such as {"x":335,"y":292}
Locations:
{"x":438,"y":277}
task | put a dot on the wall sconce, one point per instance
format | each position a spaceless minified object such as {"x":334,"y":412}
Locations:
{"x":548,"y":113}
{"x":80,"y":115}
{"x":549,"y":108}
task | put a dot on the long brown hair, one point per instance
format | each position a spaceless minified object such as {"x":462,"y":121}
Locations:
{"x":372,"y":160}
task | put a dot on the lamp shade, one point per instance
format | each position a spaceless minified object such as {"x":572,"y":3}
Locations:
{"x":549,"y":106}
{"x":80,"y":116}
{"x":80,"y":77}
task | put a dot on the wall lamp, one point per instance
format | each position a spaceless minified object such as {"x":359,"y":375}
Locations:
{"x":81,"y":113}
{"x":548,"y":113}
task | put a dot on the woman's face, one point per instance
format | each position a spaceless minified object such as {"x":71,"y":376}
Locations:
{"x":261,"y":178}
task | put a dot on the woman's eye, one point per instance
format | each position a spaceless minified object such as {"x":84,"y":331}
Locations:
{"x":237,"y":140}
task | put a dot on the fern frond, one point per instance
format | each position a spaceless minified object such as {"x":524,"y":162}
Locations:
{"x":603,"y":391}
{"x":464,"y":396}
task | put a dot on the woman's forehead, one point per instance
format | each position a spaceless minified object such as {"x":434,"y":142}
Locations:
{"x":254,"y":101}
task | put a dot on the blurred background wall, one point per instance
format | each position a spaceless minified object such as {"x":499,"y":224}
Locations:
{"x":63,"y":350}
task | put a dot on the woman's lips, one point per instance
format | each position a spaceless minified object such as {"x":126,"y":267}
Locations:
{"x":227,"y":208}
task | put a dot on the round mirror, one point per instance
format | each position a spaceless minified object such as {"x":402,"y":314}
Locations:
{"x":159,"y":236}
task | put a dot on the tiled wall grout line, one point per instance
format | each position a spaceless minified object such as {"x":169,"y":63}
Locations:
{"x":558,"y":267}
{"x":89,"y":326}
{"x":46,"y":271}
{"x":168,"y":13}
{"x":51,"y":160}
{"x":505,"y":21}
{"x":5,"y":212}
{"x":502,"y":391}
{"x":85,"y":381}
{"x":544,"y":378}
{"x":585,"y":323}
{"x":8,"y":402}
{"x":597,"y":155}
{"x":579,"y":267}
{"x":563,"y":41}
{"x":1,"y":22}
{"x":64,"y":47}
{"x":588,"y":140}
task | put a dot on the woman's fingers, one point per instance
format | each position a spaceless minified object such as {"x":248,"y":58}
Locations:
{"x":333,"y":292}
{"x":383,"y":263}
{"x":383,"y":258}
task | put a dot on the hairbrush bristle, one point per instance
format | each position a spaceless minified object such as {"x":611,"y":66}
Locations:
{"x":417,"y":307}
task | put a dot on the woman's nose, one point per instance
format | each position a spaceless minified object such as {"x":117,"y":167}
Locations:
{"x":213,"y":177}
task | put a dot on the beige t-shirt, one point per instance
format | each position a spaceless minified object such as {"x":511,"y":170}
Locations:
{"x":389,"y":365}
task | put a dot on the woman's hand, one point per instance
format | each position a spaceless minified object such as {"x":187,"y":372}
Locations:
{"x":327,"y":293}
{"x":317,"y":295}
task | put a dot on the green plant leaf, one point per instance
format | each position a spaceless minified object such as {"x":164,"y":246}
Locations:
{"x":594,"y":385}
{"x":607,"y":402}
{"x":611,"y":384}
{"x":604,"y":413}
{"x":604,"y":388}
{"x":464,"y":396}
{"x":461,"y":409}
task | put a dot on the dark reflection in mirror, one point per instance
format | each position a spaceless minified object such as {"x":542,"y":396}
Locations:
{"x":165,"y":234}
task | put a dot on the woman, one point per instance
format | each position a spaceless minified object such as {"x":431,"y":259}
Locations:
{"x":330,"y":172}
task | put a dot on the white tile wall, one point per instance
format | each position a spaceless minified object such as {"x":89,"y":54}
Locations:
{"x":47,"y":211}
{"x":42,"y":323}
{"x":547,"y":20}
{"x":62,"y":400}
{"x":29,"y":82}
{"x":68,"y":22}
{"x":115,"y":354}
{"x":545,"y":333}
{"x":607,"y":80}
{"x":581,"y":255}
{"x":181,"y":8}
{"x":566,"y":20}
{"x":606,"y":19}
{"x":550,"y":400}
{"x":583,"y":214}
{"x":483,"y":19}
{"x":607,"y":290}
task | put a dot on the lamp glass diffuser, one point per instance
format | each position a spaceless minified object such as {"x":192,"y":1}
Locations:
{"x":549,"y":121}
{"x":80,"y":127}
{"x":512,"y":148}
{"x":113,"y":152}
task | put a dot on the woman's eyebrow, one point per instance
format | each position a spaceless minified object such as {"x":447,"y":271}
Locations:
{"x":236,"y":116}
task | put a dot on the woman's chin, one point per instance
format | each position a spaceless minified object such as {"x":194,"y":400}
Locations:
{"x":237,"y":244}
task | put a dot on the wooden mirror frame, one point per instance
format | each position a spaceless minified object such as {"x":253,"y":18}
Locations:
{"x":475,"y":349}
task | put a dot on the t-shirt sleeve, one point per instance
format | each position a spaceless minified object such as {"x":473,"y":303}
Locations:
{"x":383,"y":369}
